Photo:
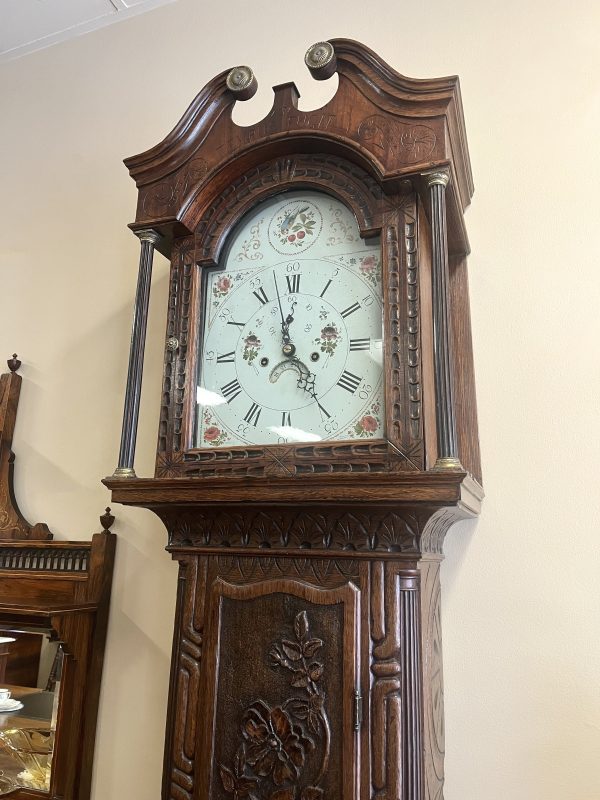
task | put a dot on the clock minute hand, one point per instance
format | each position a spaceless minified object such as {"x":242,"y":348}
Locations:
{"x":284,"y":326}
{"x":288,"y":348}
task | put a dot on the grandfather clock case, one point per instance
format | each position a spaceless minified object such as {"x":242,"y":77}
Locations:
{"x":318,"y":431}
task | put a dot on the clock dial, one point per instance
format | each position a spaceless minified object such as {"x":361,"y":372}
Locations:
{"x":291,"y":349}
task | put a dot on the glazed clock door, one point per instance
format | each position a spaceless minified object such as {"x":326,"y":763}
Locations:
{"x":279,"y":687}
{"x":291,"y":340}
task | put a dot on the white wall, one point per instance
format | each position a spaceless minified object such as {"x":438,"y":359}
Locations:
{"x":521,"y":613}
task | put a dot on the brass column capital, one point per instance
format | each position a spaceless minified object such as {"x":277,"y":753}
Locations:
{"x":438,"y":178}
{"x":148,"y":235}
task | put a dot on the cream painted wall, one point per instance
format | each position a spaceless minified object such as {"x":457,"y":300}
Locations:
{"x":521,"y":586}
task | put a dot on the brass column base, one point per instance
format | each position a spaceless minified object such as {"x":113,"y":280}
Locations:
{"x":124,"y":472}
{"x":448,"y":465}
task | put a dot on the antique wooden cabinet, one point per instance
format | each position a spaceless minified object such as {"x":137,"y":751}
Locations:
{"x":59,"y":593}
{"x":318,"y":431}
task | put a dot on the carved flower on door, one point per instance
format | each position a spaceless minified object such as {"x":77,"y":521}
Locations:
{"x":271,"y":757}
{"x":274,"y":745}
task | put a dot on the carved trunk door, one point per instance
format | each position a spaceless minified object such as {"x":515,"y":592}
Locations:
{"x":279,"y":692}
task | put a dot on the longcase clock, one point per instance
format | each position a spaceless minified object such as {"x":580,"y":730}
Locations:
{"x":318,"y":432}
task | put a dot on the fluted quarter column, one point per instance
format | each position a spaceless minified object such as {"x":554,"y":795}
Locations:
{"x":148,"y":239}
{"x":444,"y":402}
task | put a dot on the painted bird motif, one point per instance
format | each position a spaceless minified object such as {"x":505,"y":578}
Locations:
{"x":290,"y":218}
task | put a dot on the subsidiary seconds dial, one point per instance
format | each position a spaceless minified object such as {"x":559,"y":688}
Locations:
{"x":292,"y":350}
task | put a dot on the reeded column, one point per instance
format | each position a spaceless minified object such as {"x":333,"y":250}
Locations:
{"x":148,"y":239}
{"x":444,"y":402}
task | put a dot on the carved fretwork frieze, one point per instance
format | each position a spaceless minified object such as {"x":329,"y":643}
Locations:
{"x":329,"y":528}
{"x":299,"y":460}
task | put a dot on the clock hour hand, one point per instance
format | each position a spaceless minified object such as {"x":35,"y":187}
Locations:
{"x":306,"y":381}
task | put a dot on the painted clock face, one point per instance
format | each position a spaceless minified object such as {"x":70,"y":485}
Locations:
{"x":291,"y":347}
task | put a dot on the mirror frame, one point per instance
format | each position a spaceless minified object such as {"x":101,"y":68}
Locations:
{"x":64,"y":587}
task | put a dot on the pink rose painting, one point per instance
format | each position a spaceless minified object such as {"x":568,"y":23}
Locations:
{"x":367,"y":425}
{"x":221,"y":288}
{"x":369,"y":268}
{"x":213,"y":435}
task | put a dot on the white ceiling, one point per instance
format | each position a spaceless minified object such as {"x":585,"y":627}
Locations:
{"x":28,"y":25}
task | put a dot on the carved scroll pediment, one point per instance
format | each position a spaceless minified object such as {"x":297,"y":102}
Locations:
{"x":391,"y":125}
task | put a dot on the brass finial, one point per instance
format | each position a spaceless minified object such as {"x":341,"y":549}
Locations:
{"x":321,"y":61}
{"x":242,"y":83}
{"x":13,"y":363}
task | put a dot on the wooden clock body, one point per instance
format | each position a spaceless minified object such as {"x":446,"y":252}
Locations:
{"x":307,"y":646}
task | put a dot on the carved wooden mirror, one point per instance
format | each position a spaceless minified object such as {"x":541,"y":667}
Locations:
{"x":318,"y":432}
{"x":54,"y":598}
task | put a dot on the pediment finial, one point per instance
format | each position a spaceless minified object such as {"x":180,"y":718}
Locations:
{"x":321,"y":61}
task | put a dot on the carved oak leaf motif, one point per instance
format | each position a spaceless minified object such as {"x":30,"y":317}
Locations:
{"x":301,"y":625}
{"x":310,"y":710}
{"x":274,"y":745}
{"x":239,"y":785}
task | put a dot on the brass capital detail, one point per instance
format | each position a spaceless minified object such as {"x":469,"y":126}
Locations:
{"x":148,"y":235}
{"x":437,"y":179}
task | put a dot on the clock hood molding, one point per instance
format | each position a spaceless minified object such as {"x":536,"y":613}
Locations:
{"x":410,"y":126}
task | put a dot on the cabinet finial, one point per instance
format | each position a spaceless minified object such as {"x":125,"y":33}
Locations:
{"x":13,"y":363}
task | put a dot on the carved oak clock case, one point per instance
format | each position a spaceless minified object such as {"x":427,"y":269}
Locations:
{"x":318,"y":432}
